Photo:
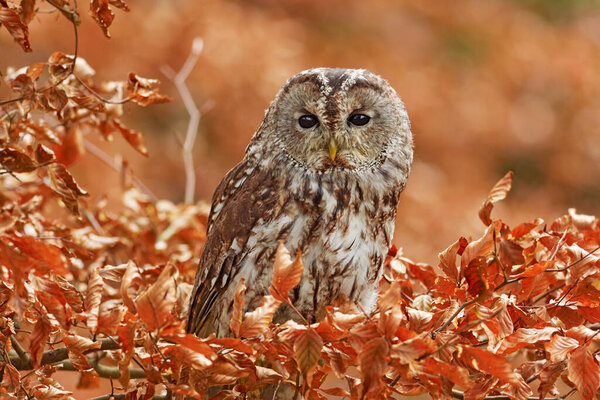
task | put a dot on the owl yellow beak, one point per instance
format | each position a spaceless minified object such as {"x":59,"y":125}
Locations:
{"x":332,"y":149}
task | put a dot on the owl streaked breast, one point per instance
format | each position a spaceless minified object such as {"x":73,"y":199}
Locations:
{"x":323,"y":173}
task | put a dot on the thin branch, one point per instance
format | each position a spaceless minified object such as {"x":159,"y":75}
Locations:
{"x":106,"y":159}
{"x":58,"y":355}
{"x":457,"y":394}
{"x":105,"y":371}
{"x":195,"y":114}
{"x":574,"y":262}
{"x":449,"y":321}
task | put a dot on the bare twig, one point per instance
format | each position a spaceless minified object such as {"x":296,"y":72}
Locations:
{"x":106,"y":159}
{"x":178,"y":79}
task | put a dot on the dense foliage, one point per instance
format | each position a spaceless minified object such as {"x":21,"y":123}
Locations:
{"x":102,"y":291}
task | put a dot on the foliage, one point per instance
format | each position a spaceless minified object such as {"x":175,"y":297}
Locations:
{"x":103,"y":292}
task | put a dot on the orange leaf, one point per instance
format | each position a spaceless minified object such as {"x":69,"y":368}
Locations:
{"x":525,"y":337}
{"x":135,"y":139}
{"x":372,"y":362}
{"x":448,"y":258}
{"x":14,"y":160}
{"x":154,"y":306}
{"x":39,"y":336}
{"x":584,"y":372}
{"x":62,"y":182}
{"x":257,"y":321}
{"x":559,"y":347}
{"x":476,"y":276}
{"x":77,"y":346}
{"x":18,"y":30}
{"x":490,"y":363}
{"x":238,"y":308}
{"x":286,"y":273}
{"x":130,"y":285}
{"x":498,"y":192}
{"x":307,"y":350}
{"x":102,"y":14}
{"x":93,"y":297}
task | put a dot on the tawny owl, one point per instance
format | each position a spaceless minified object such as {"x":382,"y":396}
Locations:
{"x":322,"y":173}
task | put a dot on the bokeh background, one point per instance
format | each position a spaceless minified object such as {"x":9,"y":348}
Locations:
{"x":489,"y":86}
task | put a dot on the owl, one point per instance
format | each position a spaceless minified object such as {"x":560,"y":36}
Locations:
{"x":323,"y":174}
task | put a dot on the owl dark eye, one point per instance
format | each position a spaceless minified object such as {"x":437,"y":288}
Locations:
{"x":358,"y":119}
{"x":308,"y":121}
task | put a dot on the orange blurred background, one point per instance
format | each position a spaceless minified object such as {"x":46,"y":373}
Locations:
{"x":489,"y":86}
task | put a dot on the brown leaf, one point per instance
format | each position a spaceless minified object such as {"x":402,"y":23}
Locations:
{"x":135,"y":139}
{"x":498,"y":192}
{"x":286,"y":273}
{"x":102,"y":14}
{"x":62,"y":182}
{"x":43,"y":155}
{"x":85,"y":99}
{"x":454,"y":373}
{"x":584,"y":372}
{"x":77,"y":346}
{"x":45,"y":257}
{"x":14,"y":160}
{"x":448,"y":258}
{"x":93,"y":297}
{"x":476,"y":276}
{"x":257,"y":322}
{"x":60,"y":66}
{"x":559,"y":347}
{"x":154,"y":306}
{"x":372,"y":362}
{"x":307,"y":351}
{"x":144,"y":92}
{"x":17,"y":29}
{"x":130,"y":284}
{"x":39,"y":336}
{"x":490,"y":363}
{"x":238,"y":308}
{"x":525,"y":337}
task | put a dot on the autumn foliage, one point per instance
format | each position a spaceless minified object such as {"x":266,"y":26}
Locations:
{"x":103,"y":292}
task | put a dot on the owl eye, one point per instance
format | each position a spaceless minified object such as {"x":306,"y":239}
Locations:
{"x":308,"y":121}
{"x":358,"y":119}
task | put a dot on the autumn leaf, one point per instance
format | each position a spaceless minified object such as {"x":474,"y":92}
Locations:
{"x":286,"y":273}
{"x":144,"y":91}
{"x":584,"y":372}
{"x":307,"y":349}
{"x":77,"y":346}
{"x":492,"y":364}
{"x":14,"y":160}
{"x":62,"y":182}
{"x":498,"y":192}
{"x":102,"y":14}
{"x":155,"y":304}
{"x":238,"y":308}
{"x":130,"y":284}
{"x":60,"y":66}
{"x":476,"y":276}
{"x":372,"y":364}
{"x":257,"y":321}
{"x":39,"y":336}
{"x":559,"y":347}
{"x":10,"y":19}
{"x":93,"y":297}
{"x":448,"y":258}
{"x":135,"y":139}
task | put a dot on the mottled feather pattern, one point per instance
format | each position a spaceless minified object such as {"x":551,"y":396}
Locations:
{"x":339,"y":212}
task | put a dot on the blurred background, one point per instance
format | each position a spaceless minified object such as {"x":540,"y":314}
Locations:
{"x":490,"y":86}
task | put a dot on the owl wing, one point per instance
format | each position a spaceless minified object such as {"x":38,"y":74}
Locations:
{"x":244,"y":198}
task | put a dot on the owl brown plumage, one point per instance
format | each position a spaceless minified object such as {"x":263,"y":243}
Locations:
{"x":323,"y":173}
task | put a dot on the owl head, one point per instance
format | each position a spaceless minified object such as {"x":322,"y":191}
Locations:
{"x":334,"y":119}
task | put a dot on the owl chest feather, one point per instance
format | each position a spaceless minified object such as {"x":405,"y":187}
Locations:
{"x":343,"y":230}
